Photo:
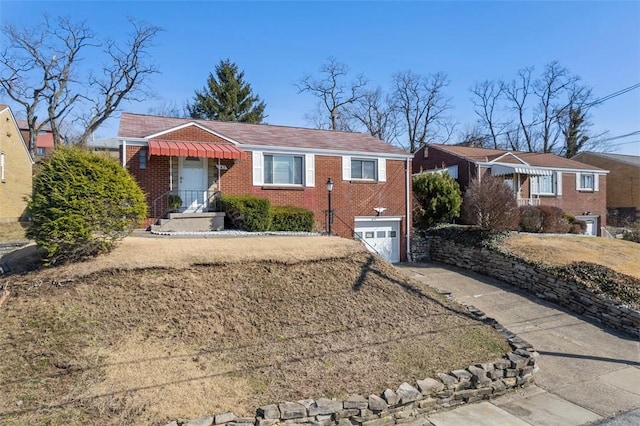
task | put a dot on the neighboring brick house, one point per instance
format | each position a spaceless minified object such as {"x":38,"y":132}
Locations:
{"x":623,"y":184}
{"x":537,"y":178}
{"x":199,"y":159}
{"x":44,"y":141}
{"x":16,"y":168}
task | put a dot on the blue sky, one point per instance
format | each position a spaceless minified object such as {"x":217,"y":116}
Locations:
{"x":276,"y":43}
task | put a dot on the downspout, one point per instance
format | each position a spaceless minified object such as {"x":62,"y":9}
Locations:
{"x":407,"y":205}
{"x":124,"y":154}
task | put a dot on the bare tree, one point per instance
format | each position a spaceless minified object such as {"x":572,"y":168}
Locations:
{"x":168,"y":108}
{"x":517,"y":92}
{"x":543,"y":109}
{"x":41,"y":71}
{"x":422,"y":105}
{"x":334,"y":92}
{"x":375,"y":112}
{"x":486,"y":99}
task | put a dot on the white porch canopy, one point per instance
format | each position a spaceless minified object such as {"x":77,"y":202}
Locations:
{"x":508,"y":169}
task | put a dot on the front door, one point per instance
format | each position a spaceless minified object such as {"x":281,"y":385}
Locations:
{"x":193,"y":179}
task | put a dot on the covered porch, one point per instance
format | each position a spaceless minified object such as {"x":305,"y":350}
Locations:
{"x":195,"y":171}
{"x":523,"y":180}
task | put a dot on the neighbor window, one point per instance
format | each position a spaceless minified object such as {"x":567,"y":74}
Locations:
{"x":363,"y":169}
{"x":543,"y":185}
{"x":283,"y":169}
{"x":41,"y":151}
{"x":587,"y":181}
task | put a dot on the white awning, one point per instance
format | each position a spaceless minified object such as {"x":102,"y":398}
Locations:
{"x":504,"y":169}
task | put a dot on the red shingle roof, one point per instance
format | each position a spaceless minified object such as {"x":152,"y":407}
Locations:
{"x":141,"y":126}
{"x":536,"y":159}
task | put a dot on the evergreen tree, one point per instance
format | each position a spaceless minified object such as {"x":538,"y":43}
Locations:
{"x":227,"y":97}
{"x":82,"y":205}
{"x":438,"y":199}
{"x":574,"y":133}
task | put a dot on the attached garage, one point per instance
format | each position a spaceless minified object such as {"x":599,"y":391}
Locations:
{"x":380,"y":235}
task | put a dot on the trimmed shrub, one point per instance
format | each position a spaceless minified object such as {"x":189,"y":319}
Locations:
{"x":82,"y":204}
{"x":491,"y":204}
{"x":553,"y":221}
{"x":254,"y":213}
{"x":575,"y":226}
{"x":438,"y":199}
{"x":530,"y":219}
{"x":290,"y":218}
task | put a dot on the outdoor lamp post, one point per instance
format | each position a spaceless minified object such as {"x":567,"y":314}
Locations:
{"x":330,"y":211}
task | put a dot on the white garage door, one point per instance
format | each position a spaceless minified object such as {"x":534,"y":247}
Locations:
{"x":381,"y":237}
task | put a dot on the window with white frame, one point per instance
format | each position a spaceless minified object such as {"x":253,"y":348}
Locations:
{"x":2,"y":166}
{"x":543,"y":185}
{"x":586,"y":182}
{"x":283,"y":169}
{"x":363,"y":169}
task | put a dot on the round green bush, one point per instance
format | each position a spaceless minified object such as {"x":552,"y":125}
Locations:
{"x":82,"y":204}
{"x":438,"y":199}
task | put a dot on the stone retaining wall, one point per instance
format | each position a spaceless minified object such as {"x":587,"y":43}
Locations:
{"x":530,"y":277}
{"x":404,"y":404}
{"x":6,"y":248}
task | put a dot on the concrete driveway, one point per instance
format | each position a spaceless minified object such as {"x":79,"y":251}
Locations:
{"x":587,"y":373}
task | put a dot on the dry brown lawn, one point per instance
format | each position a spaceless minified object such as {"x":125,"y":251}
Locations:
{"x":621,"y":256}
{"x":166,"y":328}
{"x":12,"y":232}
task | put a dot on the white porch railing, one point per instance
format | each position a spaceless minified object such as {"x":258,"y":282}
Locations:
{"x":528,"y":202}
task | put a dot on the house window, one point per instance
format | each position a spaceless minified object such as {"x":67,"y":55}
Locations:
{"x":2,"y":166}
{"x":142,"y":159}
{"x":543,"y":185}
{"x":283,"y":169}
{"x":587,"y":182}
{"x":363,"y":169}
{"x":41,"y":151}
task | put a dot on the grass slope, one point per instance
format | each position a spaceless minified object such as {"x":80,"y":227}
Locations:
{"x":246,"y":322}
{"x":621,"y":256}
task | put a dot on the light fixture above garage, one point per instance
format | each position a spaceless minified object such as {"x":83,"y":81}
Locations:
{"x":379,"y":210}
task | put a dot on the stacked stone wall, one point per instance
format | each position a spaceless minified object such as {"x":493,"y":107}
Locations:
{"x":534,"y":279}
{"x":404,"y":404}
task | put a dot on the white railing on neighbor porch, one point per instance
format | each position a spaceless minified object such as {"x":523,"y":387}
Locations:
{"x":528,"y":202}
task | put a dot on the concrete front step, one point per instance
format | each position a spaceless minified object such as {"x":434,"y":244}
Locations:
{"x":191,"y":222}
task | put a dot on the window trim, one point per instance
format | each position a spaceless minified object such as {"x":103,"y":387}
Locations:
{"x":278,"y":184}
{"x":367,"y":160}
{"x":380,"y":163}
{"x":579,"y":181}
{"x":537,"y":191}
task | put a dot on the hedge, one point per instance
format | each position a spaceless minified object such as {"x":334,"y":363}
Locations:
{"x":255,"y":211}
{"x":290,"y":218}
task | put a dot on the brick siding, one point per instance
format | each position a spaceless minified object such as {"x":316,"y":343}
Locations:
{"x":349,"y":198}
{"x":571,"y":201}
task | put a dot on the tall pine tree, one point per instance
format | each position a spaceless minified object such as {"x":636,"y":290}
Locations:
{"x":227,"y":97}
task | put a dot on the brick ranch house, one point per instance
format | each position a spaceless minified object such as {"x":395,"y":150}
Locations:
{"x":199,"y":160}
{"x":538,"y":179}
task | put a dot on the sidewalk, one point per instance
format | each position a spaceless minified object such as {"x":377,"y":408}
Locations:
{"x":587,"y":373}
